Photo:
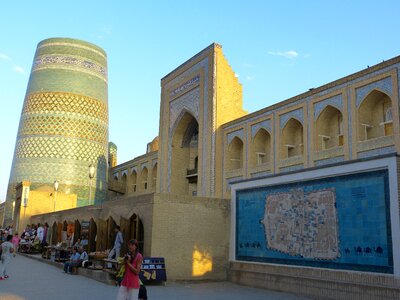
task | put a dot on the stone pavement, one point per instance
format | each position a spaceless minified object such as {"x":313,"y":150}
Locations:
{"x":34,"y":280}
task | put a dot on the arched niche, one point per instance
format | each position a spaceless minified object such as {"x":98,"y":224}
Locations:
{"x":292,"y":139}
{"x":235,"y":154}
{"x":133,"y":181}
{"x":261,"y":148}
{"x":143,"y":180}
{"x":154,"y":177}
{"x":77,"y":231}
{"x":92,"y":235}
{"x":54,"y":233}
{"x":184,"y":146}
{"x":132,"y":228}
{"x":329,"y":129}
{"x":110,"y":232}
{"x":375,"y":116}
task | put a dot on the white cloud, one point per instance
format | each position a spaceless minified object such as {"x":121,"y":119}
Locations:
{"x":5,"y":57}
{"x":288,"y":54}
{"x":18,"y":69}
{"x":236,"y":75}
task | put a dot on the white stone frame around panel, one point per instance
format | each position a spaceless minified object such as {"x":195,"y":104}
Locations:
{"x":388,"y":163}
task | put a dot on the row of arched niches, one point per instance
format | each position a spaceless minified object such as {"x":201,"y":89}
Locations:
{"x":100,"y":234}
{"x":374,"y":122}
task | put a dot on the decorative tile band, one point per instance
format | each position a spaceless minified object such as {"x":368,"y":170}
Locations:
{"x":335,"y":101}
{"x":296,"y":114}
{"x":65,"y":103}
{"x":59,"y":147}
{"x":185,"y":86}
{"x":74,"y":45}
{"x":384,"y":85}
{"x":264,"y":124}
{"x":69,"y":62}
{"x":238,"y":133}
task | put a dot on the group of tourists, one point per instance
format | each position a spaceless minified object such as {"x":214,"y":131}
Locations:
{"x":77,"y":259}
{"x":130,"y":264}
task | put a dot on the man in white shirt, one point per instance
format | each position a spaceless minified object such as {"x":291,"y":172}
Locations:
{"x":40,"y":233}
{"x":117,"y":245}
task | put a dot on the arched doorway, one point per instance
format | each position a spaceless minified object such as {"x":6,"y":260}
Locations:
{"x":92,"y":235}
{"x":184,"y":174}
{"x":54,"y":234}
{"x":132,"y":228}
{"x":102,"y":237}
{"x":110,"y":232}
{"x":77,"y":231}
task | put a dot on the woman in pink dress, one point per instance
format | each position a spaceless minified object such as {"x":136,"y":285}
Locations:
{"x":15,"y":241}
{"x":133,"y":263}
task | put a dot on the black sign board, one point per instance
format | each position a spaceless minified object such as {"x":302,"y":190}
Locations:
{"x":153,"y":270}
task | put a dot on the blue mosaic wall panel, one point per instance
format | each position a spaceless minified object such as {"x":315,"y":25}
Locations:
{"x":341,"y":222}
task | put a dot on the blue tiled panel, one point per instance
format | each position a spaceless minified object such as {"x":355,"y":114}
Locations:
{"x":363,"y":223}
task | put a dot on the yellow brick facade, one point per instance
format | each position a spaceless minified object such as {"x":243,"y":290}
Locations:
{"x":180,"y":189}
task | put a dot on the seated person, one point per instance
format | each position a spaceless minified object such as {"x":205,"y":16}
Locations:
{"x":83,"y":255}
{"x":78,"y":243}
{"x":74,"y":261}
{"x":36,"y":244}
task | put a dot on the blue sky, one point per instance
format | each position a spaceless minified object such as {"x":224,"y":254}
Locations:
{"x":277,"y":48}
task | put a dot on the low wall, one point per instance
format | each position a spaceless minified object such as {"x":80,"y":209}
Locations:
{"x":192,"y":233}
{"x":315,"y":282}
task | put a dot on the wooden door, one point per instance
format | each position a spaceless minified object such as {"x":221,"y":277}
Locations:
{"x":77,"y":231}
{"x":59,"y":230}
{"x":125,"y":229}
{"x":101,"y":241}
{"x":54,"y":234}
{"x":92,"y":235}
{"x":111,"y":232}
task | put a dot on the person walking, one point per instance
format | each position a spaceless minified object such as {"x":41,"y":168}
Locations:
{"x":130,"y":282}
{"x":7,"y":249}
{"x":116,"y":250}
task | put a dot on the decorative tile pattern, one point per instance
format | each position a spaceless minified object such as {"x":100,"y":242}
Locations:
{"x":264,"y":124}
{"x":184,"y":87}
{"x":75,"y":63}
{"x":385,"y":85}
{"x":71,"y":44}
{"x":238,"y":133}
{"x":189,"y":102}
{"x":296,"y":114}
{"x":60,"y":147}
{"x":201,"y":65}
{"x":335,"y":101}
{"x":329,"y":161}
{"x":66,"y":103}
{"x":377,"y":152}
{"x":302,"y":223}
{"x":362,"y":223}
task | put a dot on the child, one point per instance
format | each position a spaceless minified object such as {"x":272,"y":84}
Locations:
{"x":7,"y":249}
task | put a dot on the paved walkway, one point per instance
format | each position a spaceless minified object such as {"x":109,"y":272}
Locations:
{"x":34,"y":280}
